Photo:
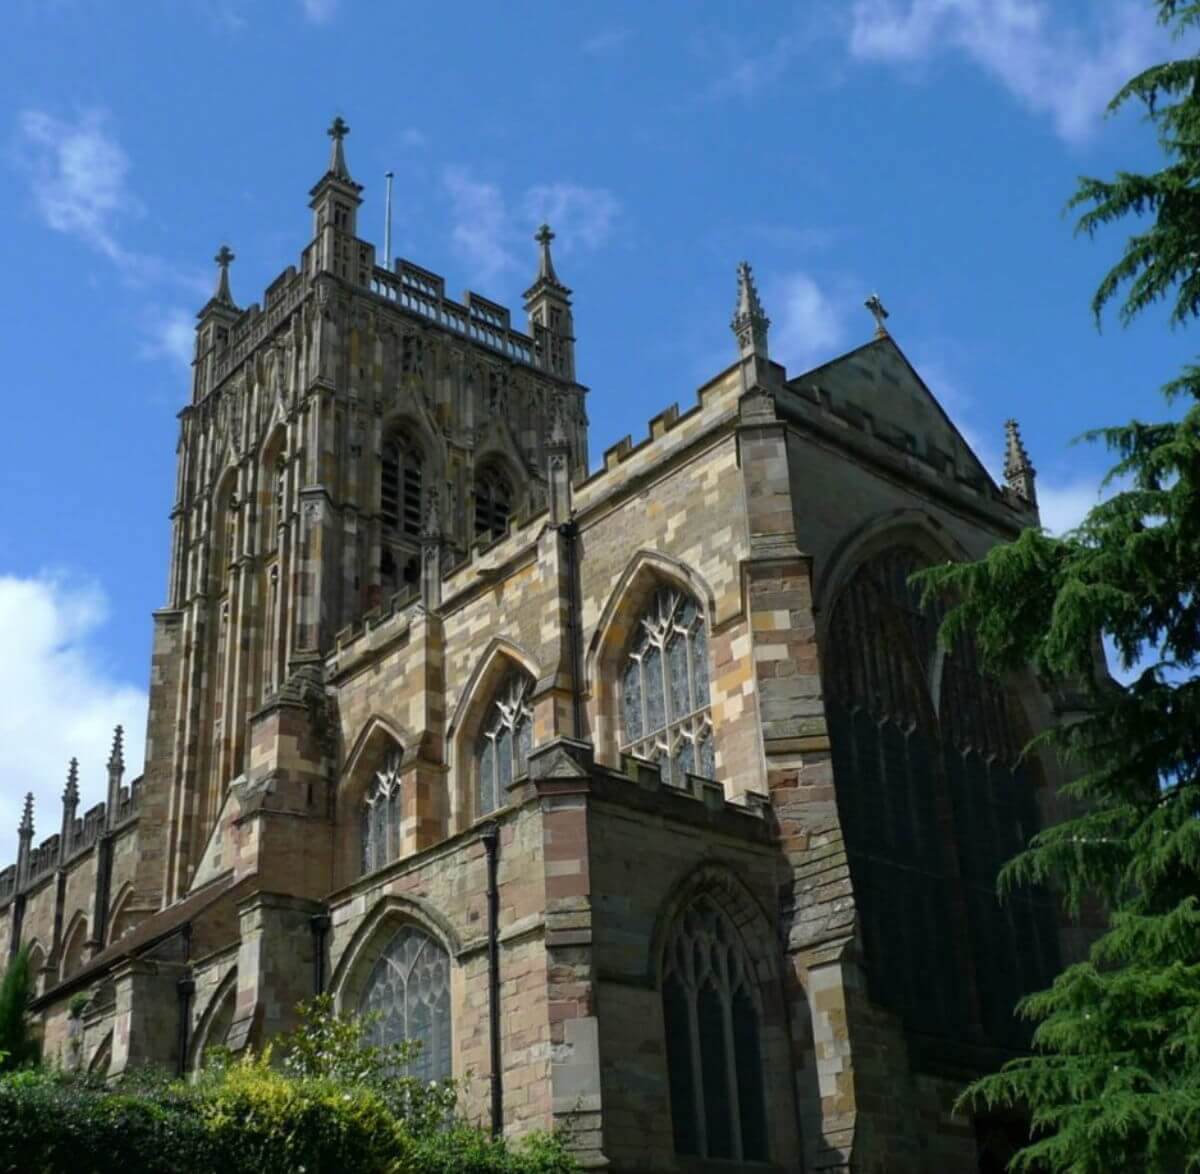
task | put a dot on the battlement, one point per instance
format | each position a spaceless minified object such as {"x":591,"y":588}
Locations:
{"x":78,"y":834}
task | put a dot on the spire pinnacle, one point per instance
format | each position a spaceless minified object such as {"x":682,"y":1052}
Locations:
{"x":750,"y":322}
{"x":544,"y":236}
{"x":71,"y":790}
{"x":25,"y":828}
{"x":337,"y":131}
{"x":116,"y":759}
{"x":1019,"y":473}
{"x":224,"y":258}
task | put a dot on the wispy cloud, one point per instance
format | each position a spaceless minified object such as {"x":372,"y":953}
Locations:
{"x":808,"y":325}
{"x":582,"y":217}
{"x":1066,"y":71}
{"x":57,"y":699}
{"x":487,"y":229}
{"x":607,"y":41}
{"x":319,"y":11}
{"x":170,"y":334}
{"x":78,"y":179}
{"x":480,"y":228}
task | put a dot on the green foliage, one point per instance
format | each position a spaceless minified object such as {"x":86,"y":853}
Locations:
{"x":18,"y":1047}
{"x":334,"y":1104}
{"x":1114,"y":1080}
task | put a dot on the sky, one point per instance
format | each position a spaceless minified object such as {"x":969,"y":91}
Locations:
{"x":923,"y":149}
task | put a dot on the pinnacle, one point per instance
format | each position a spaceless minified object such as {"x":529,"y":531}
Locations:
{"x":750,"y":322}
{"x":117,"y":758}
{"x":71,"y":790}
{"x":337,"y":131}
{"x":1016,"y":459}
{"x":26,"y":826}
{"x":224,"y":257}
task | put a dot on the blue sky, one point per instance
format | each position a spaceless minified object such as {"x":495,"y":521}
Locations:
{"x":921,"y":148}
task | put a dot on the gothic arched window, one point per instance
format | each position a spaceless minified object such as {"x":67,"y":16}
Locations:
{"x":664,"y":689}
{"x":493,"y":505}
{"x":714,"y":1055}
{"x":503,"y":750}
{"x":408,"y":995}
{"x":381,"y":816}
{"x":400,"y":487}
{"x":933,"y":797}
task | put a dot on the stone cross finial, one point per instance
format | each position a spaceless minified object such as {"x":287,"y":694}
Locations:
{"x":338,"y":130}
{"x":25,"y":828}
{"x":750,"y":322}
{"x":71,"y":790}
{"x":880,"y":314}
{"x":544,"y":236}
{"x":1019,"y":473}
{"x":224,"y":258}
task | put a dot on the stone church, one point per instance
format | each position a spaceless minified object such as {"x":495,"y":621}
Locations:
{"x":643,"y":796}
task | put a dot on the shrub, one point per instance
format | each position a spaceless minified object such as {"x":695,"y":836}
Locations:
{"x":18,"y":1047}
{"x":334,"y":1104}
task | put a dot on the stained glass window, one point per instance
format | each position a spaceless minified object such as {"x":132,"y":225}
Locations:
{"x":933,"y":797}
{"x":381,"y":816}
{"x":664,"y":690}
{"x":408,"y":996}
{"x":711,"y":1020}
{"x":503,"y":750}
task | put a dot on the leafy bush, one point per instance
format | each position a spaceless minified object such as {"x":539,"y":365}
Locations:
{"x":334,"y":1103}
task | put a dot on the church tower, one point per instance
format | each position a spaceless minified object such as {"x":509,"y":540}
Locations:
{"x":328,"y":424}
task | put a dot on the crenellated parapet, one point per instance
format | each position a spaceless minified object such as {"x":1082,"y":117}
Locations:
{"x":77,"y":835}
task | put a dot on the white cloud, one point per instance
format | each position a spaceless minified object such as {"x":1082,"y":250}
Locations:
{"x":580,"y":216}
{"x":1064,"y":504}
{"x":486,"y":233}
{"x":319,"y":11}
{"x":78,"y":176}
{"x":57,"y":700}
{"x":1068,"y":72}
{"x":808,"y":327}
{"x":411,"y":137}
{"x":171,"y":334}
{"x":480,"y":228}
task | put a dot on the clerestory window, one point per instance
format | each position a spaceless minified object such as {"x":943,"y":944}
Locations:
{"x":503,"y":749}
{"x":714,"y":1056}
{"x":408,"y":996}
{"x":380,"y":816}
{"x":665,"y":712}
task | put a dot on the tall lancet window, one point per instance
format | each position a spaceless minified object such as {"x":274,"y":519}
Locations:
{"x":408,"y":994}
{"x":493,"y":505}
{"x":400,"y":489}
{"x":933,"y":795}
{"x":714,"y":1057}
{"x":503,"y":751}
{"x":381,"y":816}
{"x":665,"y":713}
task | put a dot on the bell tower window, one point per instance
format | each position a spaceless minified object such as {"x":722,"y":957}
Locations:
{"x":401,"y":483}
{"x":493,"y":505}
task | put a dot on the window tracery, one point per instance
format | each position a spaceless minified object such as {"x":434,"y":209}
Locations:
{"x":381,"y":816}
{"x":664,"y":689}
{"x":711,"y":1020}
{"x":408,"y":995}
{"x":503,"y":749}
{"x":934,"y":796}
